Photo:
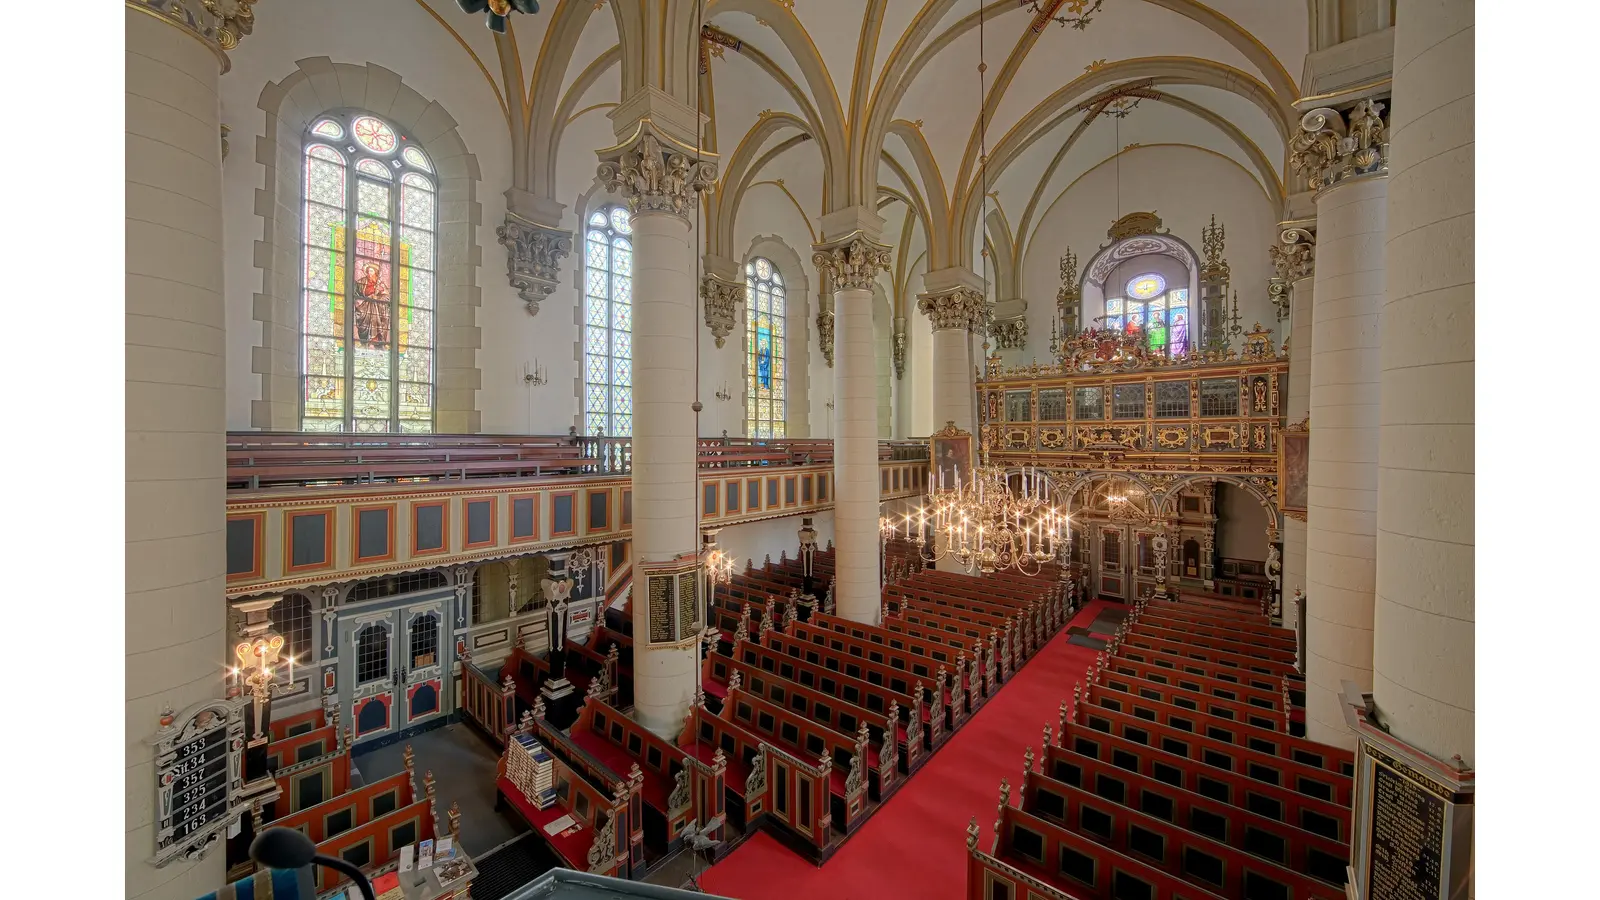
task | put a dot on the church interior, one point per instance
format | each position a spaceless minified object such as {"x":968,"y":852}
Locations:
{"x":1009,"y":450}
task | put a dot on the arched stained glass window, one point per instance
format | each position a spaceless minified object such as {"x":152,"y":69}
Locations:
{"x":367,"y":311}
{"x":608,"y":323}
{"x":1147,"y":303}
{"x":765,"y":393}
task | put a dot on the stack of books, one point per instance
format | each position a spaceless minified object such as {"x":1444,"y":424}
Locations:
{"x":533,"y":770}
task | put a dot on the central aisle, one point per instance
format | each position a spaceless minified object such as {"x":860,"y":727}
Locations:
{"x":915,"y":846}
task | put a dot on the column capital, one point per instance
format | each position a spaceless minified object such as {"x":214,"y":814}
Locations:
{"x":1010,"y":333}
{"x":899,"y":347}
{"x":1294,"y":254}
{"x":722,"y":300}
{"x":852,"y":261}
{"x":1334,"y":145}
{"x":219,"y":24}
{"x":533,"y":258}
{"x":655,"y":171}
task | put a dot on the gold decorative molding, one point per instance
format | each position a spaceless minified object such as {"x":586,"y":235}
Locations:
{"x":960,"y":307}
{"x":1333,"y":146}
{"x":1135,"y":224}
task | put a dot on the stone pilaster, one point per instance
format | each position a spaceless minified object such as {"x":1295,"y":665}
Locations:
{"x":850,"y":258}
{"x":656,"y":168}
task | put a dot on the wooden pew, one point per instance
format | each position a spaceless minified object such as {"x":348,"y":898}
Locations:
{"x":1194,"y":701}
{"x":601,"y":845}
{"x":627,"y":787}
{"x":831,"y":711}
{"x":1239,"y":734}
{"x":876,"y":698}
{"x":1191,"y":856}
{"x":1030,"y":853}
{"x":1193,"y":680}
{"x":1174,"y":646}
{"x":1263,"y":656}
{"x":1322,"y":817}
{"x":1282,"y":843}
{"x":765,"y":784}
{"x":855,"y":764}
{"x":943,"y":696}
{"x":625,"y":746}
{"x":965,"y":671}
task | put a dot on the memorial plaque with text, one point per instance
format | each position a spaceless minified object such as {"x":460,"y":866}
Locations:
{"x":687,"y":595}
{"x":660,"y":597}
{"x":1408,"y":834}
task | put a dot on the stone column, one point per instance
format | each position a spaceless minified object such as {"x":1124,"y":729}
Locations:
{"x":851,"y":258}
{"x":954,"y":304}
{"x":1424,"y":647}
{"x":176,"y":613}
{"x":1294,"y":261}
{"x":1342,"y":155}
{"x":656,"y":169}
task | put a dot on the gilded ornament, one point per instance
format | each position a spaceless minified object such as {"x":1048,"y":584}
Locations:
{"x":1010,"y":333}
{"x":960,"y":307}
{"x":1334,"y":146}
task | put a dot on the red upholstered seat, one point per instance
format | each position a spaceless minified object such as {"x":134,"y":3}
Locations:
{"x":618,"y":760}
{"x":572,"y":848}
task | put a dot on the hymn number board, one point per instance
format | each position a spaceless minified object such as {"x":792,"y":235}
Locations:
{"x":198,"y":778}
{"x":674,"y":603}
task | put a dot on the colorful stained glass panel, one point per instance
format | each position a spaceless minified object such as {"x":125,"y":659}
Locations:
{"x":373,"y":134}
{"x":416,"y":157}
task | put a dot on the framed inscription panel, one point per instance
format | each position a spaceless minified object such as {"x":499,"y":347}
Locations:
{"x":1412,"y":819}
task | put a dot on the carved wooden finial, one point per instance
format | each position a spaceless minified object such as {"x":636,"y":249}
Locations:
{"x":538,"y":709}
{"x":1048,"y":741}
{"x":1027,"y":758}
{"x":972,"y":834}
{"x":453,"y":816}
{"x":719,"y":761}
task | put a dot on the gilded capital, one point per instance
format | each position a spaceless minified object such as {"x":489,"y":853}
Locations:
{"x":220,"y":24}
{"x":1294,"y":255}
{"x":960,"y":307}
{"x":1334,"y":146}
{"x":1010,"y":333}
{"x":851,"y":263}
{"x":533,"y":258}
{"x":655,"y":173}
{"x":722,"y":301}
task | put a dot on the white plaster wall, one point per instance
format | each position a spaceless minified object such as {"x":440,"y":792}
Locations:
{"x":756,"y":540}
{"x":1184,"y":187}
{"x":1241,"y":524}
{"x":427,"y":58}
{"x":919,"y":364}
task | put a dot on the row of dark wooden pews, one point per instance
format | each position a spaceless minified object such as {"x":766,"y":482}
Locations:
{"x":1176,"y":770}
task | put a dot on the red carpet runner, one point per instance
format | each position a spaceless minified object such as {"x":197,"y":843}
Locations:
{"x":915,"y":846}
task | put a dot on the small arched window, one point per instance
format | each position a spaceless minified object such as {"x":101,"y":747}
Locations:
{"x":367,"y":333}
{"x":766,"y":390}
{"x":1148,"y":303}
{"x":608,"y":323}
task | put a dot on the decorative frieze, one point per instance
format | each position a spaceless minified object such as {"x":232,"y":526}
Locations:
{"x":960,"y":307}
{"x":1334,"y":146}
{"x":851,"y":263}
{"x":1009,"y":333}
{"x":533,"y":258}
{"x":722,"y":301}
{"x":656,"y":176}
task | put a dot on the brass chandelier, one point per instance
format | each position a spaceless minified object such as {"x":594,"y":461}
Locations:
{"x":987,"y":525}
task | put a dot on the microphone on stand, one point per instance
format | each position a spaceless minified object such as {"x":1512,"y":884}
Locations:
{"x":285,"y":848}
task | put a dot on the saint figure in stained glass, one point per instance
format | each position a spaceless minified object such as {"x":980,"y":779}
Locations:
{"x":372,"y":307}
{"x":764,"y":357}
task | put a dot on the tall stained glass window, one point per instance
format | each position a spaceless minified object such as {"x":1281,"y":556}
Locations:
{"x":1147,"y":303}
{"x":765,"y":394}
{"x":608,"y":323}
{"x":367,"y":332}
